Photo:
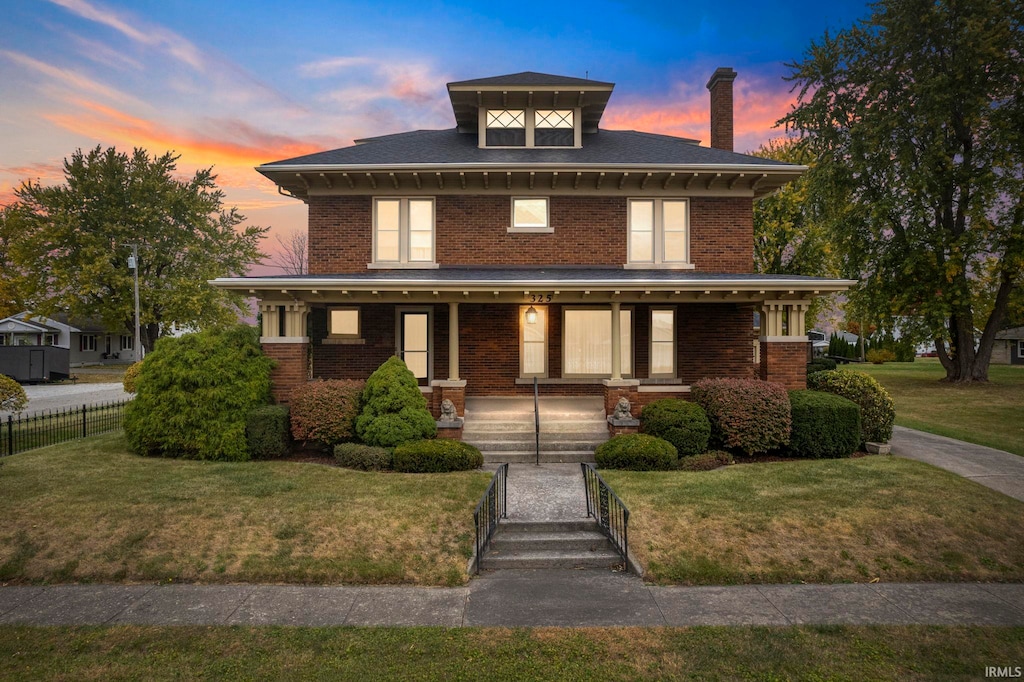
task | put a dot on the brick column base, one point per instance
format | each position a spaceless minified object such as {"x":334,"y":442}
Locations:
{"x":785,"y":363}
{"x":454,"y":391}
{"x":617,"y":430}
{"x":621,"y":388}
{"x":292,"y":368}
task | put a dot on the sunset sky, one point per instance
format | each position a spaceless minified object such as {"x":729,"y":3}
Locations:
{"x":233,"y":84}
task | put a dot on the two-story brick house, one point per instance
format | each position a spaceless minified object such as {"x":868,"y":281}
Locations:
{"x":528,"y":243}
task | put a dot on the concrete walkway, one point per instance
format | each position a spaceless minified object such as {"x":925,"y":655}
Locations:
{"x":517,"y":599}
{"x":546,"y":492}
{"x":996,"y":469}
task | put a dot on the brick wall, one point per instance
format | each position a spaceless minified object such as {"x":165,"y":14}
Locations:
{"x":785,"y":362}
{"x":473,"y":230}
{"x":291,"y":370}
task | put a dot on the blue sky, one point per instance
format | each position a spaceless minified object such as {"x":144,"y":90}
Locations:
{"x":233,"y":84}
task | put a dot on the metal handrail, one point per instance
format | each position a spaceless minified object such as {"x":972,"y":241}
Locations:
{"x":536,"y":420}
{"x":611,"y":514}
{"x":491,"y":508}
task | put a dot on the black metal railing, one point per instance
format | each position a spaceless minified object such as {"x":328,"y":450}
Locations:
{"x":489,"y":510}
{"x":50,"y":427}
{"x":605,"y":506}
{"x":536,"y":420}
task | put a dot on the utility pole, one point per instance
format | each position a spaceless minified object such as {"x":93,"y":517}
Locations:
{"x":133,"y":263}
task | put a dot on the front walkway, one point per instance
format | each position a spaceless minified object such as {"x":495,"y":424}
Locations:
{"x":548,"y":492}
{"x":517,"y":599}
{"x":996,"y":469}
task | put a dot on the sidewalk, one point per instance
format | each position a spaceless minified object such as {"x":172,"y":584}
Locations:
{"x":517,"y":599}
{"x":996,"y":469}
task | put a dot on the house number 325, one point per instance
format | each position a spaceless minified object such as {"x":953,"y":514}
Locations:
{"x":540,"y":298}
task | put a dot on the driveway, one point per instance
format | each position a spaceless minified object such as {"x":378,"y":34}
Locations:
{"x":62,"y":396}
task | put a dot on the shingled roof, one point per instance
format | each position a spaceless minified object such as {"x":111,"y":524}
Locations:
{"x":531,"y":78}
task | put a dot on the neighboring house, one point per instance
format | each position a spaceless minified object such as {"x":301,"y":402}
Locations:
{"x":528,"y":243}
{"x":1008,"y":348}
{"x":819,"y":342}
{"x":89,"y":342}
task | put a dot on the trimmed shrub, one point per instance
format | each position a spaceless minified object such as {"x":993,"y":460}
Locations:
{"x":680,"y":422}
{"x":436,"y":456}
{"x":325,"y":412}
{"x":362,"y":457}
{"x":394,"y":411}
{"x":266,"y":431}
{"x":131,"y":375}
{"x":824,"y":425}
{"x":705,"y":461}
{"x":637,"y":452}
{"x":12,"y":395}
{"x":745,"y":414}
{"x":879,"y":356}
{"x":821,"y":365}
{"x":193,"y":393}
{"x":877,"y":409}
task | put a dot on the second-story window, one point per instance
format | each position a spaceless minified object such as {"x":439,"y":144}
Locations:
{"x":506,"y":128}
{"x":403,"y":231}
{"x":530,"y":214}
{"x":553,"y":128}
{"x":658,"y":232}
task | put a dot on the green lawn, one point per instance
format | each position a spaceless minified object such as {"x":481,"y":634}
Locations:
{"x":861,"y":519}
{"x":89,"y":510}
{"x":745,"y":653}
{"x":988,"y":414}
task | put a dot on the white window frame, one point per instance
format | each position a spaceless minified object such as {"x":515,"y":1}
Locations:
{"x":531,"y":229}
{"x":651,"y":342}
{"x":632,"y":340}
{"x":90,"y":346}
{"x":127,"y":342}
{"x":404,"y":261}
{"x":522,"y":341}
{"x":399,"y":343}
{"x":1020,"y":348}
{"x":331,"y":334}
{"x":658,"y":235}
{"x":531,"y":120}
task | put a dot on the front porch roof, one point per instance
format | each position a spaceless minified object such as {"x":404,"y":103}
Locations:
{"x":513,"y":284}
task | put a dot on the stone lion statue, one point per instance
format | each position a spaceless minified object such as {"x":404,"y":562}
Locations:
{"x":622,"y":410}
{"x":448,"y":413}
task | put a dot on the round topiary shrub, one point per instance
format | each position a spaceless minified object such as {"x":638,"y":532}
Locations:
{"x":12,"y":395}
{"x":877,"y":409}
{"x":266,"y":431}
{"x":745,"y":414}
{"x":394,"y":411}
{"x":680,"y":422}
{"x":637,"y":452}
{"x":362,"y":457}
{"x":436,"y":456}
{"x":131,"y":375}
{"x":324,"y":412}
{"x":193,"y":394}
{"x":824,"y":425}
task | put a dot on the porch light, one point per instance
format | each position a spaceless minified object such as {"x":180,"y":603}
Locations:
{"x":531,"y":315}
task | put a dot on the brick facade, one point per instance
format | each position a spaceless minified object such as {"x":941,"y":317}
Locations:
{"x":785,"y":362}
{"x":292,"y":368}
{"x":473,"y":230}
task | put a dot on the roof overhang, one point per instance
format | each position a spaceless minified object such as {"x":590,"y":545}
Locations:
{"x":467,"y":100}
{"x":302,"y":181}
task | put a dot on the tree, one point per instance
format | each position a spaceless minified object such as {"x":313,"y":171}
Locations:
{"x":79,"y":235}
{"x":916,"y":120}
{"x":12,"y":284}
{"x":789,"y":236}
{"x":293,"y":257}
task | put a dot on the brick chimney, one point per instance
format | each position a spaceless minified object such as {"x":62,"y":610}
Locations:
{"x":720,"y":86}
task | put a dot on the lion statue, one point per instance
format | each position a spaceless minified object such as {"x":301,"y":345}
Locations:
{"x":448,"y":413}
{"x":622,"y":410}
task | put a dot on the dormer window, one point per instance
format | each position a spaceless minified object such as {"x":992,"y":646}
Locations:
{"x":530,"y":128}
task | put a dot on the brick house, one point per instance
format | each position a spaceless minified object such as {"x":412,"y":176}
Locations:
{"x":526,"y":243}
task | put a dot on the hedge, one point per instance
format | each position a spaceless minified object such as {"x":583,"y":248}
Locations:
{"x":394,"y":410}
{"x":324,"y":412}
{"x":705,"y":461}
{"x":637,"y":452}
{"x":877,"y":409}
{"x":824,"y":425}
{"x":680,"y":422}
{"x":12,"y":395}
{"x":436,"y":456}
{"x":362,"y":457}
{"x":746,"y":415}
{"x":266,"y":431}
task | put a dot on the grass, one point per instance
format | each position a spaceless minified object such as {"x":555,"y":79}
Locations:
{"x":820,"y":521}
{"x":90,"y":511}
{"x":989,"y":414}
{"x":762,"y":653}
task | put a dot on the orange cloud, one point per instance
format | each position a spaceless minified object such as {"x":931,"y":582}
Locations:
{"x":70,"y":78}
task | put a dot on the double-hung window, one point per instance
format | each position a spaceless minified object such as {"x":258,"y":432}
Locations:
{"x":659,"y":232}
{"x":587,"y":342}
{"x":403,"y":232}
{"x":506,"y":128}
{"x":663,"y":342}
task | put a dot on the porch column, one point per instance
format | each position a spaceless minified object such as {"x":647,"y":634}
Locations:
{"x":616,"y":343}
{"x":291,"y":351}
{"x":453,"y":341}
{"x":784,"y":346}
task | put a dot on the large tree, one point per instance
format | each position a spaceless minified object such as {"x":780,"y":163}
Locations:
{"x":80,"y":233}
{"x":916,"y":119}
{"x":12,"y":282}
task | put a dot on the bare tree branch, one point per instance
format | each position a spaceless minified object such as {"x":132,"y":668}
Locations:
{"x":293,"y":256}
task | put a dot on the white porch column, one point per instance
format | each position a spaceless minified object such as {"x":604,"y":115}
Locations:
{"x":453,"y":341}
{"x":271,"y":324}
{"x":616,"y":342}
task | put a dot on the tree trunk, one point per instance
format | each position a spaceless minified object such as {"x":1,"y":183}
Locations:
{"x":966,"y":363}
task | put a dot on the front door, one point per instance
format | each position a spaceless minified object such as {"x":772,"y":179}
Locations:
{"x":36,"y":365}
{"x":414,"y":343}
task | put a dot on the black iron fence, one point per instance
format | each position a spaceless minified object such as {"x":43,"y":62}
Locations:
{"x":605,"y":506}
{"x":50,"y":427}
{"x":489,"y":510}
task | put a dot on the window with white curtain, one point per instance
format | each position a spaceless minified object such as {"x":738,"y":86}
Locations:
{"x":663,"y":342}
{"x":587,"y":341}
{"x":403,"y":230}
{"x":658,"y":231}
{"x":533,"y":352}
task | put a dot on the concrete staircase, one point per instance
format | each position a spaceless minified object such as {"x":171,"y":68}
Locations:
{"x":549,"y":544}
{"x":503,"y":429}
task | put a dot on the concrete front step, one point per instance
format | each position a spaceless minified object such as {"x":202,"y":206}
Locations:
{"x":546,"y":444}
{"x":552,"y":559}
{"x":569,"y":543}
{"x":583,"y":525}
{"x":530,"y":457}
{"x":583,"y":541}
{"x":560,"y":426}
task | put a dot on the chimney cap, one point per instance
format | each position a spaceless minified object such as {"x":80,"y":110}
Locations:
{"x":722,"y":73}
